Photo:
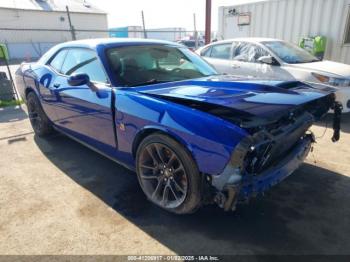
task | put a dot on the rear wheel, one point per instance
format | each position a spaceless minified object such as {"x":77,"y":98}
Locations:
{"x":168,"y":175}
{"x":40,"y":122}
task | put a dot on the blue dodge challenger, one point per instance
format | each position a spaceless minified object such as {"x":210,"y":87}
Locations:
{"x":193,"y":137}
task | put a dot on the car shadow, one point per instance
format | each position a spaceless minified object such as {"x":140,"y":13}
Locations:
{"x":306,"y":214}
{"x":12,"y":114}
{"x":328,"y":121}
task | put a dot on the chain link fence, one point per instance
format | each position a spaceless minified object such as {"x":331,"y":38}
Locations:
{"x":30,"y":44}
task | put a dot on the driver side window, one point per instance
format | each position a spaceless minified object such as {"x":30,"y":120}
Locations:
{"x":248,"y":52}
{"x":221,"y":51}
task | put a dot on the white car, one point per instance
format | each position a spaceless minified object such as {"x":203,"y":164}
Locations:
{"x":276,"y":59}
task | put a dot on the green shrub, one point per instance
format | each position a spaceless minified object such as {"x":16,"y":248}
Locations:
{"x":4,"y":103}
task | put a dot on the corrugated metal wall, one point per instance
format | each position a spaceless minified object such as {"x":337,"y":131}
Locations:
{"x":292,"y":19}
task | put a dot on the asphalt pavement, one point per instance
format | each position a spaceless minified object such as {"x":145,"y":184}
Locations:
{"x":58,"y":197}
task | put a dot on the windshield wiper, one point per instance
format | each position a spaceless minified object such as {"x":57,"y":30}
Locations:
{"x":150,"y":82}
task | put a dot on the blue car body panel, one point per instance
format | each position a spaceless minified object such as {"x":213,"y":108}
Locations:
{"x":112,"y":119}
{"x":209,"y":139}
{"x":87,"y":115}
{"x":245,"y":97}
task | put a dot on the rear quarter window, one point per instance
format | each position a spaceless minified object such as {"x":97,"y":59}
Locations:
{"x":58,"y":60}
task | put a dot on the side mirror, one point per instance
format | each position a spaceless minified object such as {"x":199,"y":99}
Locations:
{"x":79,"y":80}
{"x":266,"y":60}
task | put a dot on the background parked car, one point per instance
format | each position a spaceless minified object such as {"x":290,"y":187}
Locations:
{"x":277,"y":59}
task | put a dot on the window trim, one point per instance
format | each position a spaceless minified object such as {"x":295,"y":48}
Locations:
{"x":108,"y":83}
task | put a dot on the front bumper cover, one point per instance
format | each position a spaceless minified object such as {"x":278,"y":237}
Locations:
{"x":241,"y":187}
{"x":257,"y":184}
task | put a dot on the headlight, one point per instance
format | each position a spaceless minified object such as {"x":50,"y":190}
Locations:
{"x":333,"y":81}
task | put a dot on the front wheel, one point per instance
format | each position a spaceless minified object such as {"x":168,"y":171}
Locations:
{"x":168,"y":175}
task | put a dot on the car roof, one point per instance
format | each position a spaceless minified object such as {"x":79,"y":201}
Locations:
{"x":255,"y":39}
{"x":187,"y":40}
{"x":110,"y":42}
{"x":246,"y":39}
{"x":103,"y":43}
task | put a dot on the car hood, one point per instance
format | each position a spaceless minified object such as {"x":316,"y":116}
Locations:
{"x":266,"y":99}
{"x":326,"y":67}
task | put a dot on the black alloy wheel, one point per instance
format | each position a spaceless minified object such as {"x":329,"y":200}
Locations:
{"x":167,"y":174}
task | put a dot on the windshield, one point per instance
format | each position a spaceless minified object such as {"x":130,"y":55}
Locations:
{"x":289,"y":53}
{"x":142,"y":65}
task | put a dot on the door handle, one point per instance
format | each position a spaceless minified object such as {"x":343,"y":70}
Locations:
{"x":235,"y":66}
{"x":56,"y":85}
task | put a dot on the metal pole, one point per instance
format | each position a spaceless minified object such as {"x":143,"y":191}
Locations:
{"x":207,"y":21}
{"x":143,"y":24}
{"x":195,"y":31}
{"x":72,"y":30}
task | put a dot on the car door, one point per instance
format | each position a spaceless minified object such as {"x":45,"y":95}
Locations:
{"x":81,"y":111}
{"x":219,"y":56}
{"x":245,"y":62}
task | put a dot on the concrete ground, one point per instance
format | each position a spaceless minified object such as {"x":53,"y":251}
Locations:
{"x":58,"y":197}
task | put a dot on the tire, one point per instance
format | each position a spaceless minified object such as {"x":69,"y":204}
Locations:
{"x":163,"y":165}
{"x":38,"y":119}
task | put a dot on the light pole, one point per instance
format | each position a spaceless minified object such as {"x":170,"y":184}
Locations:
{"x":143,"y":24}
{"x":72,"y":30}
{"x":207,"y":21}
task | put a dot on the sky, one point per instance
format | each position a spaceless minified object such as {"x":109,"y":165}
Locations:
{"x":161,"y":13}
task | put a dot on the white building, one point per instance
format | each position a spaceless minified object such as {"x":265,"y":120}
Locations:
{"x":30,"y":27}
{"x":291,"y":20}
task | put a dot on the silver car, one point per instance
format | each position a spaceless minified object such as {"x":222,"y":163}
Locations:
{"x":276,"y":59}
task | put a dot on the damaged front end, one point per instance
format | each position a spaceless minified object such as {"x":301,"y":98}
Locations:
{"x":236,"y":183}
{"x":276,"y":116}
{"x":270,"y":154}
